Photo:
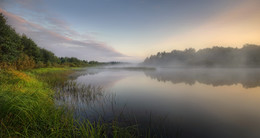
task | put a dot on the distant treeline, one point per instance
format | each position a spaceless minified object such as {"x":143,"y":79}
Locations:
{"x":21,"y":52}
{"x":247,"y":56}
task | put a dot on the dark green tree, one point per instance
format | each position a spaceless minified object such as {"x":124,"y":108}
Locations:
{"x":10,"y":42}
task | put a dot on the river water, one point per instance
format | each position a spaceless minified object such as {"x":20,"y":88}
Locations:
{"x":174,"y":102}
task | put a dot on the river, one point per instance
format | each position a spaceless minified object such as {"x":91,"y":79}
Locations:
{"x":171,"y":102}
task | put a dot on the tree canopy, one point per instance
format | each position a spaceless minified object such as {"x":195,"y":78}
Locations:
{"x":20,"y":52}
{"x":247,"y":56}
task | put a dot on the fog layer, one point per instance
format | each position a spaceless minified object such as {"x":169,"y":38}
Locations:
{"x":248,"y":56}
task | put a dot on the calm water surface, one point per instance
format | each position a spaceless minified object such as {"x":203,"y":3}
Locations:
{"x":176,"y":102}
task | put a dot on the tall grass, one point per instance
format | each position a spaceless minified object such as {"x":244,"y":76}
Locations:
{"x":28,"y":109}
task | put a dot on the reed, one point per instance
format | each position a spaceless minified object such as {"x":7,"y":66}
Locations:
{"x":28,"y":108}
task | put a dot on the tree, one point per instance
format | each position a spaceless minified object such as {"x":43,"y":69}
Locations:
{"x":10,"y":42}
{"x":248,"y":56}
{"x":30,"y":48}
{"x":21,"y":52}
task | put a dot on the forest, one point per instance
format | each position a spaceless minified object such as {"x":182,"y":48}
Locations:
{"x":247,"y":56}
{"x":21,"y":52}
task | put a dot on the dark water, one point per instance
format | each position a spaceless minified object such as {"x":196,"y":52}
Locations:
{"x":174,"y":102}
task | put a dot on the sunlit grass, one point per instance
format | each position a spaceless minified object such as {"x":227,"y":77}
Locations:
{"x":28,"y":110}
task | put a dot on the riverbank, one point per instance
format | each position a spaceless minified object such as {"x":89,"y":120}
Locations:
{"x":28,"y":109}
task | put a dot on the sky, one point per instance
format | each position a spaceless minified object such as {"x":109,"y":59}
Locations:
{"x":130,"y":30}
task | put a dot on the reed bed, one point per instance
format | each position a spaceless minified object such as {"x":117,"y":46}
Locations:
{"x":28,"y":109}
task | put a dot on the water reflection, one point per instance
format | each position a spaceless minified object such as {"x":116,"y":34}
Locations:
{"x":75,"y":93}
{"x":89,"y":101}
{"x":170,"y":102}
{"x":77,"y":97}
{"x":249,"y":78}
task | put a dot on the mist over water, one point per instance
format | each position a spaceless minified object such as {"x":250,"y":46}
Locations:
{"x":247,"y":77}
{"x":195,"y":102}
{"x":215,"y":57}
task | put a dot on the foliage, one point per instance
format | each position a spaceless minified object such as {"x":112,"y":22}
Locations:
{"x":25,"y":62}
{"x":21,"y":52}
{"x":247,"y":56}
{"x":10,"y":43}
{"x":28,"y":108}
{"x":72,"y":61}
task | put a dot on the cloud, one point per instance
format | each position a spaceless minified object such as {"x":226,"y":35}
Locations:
{"x":56,"y":36}
{"x":25,"y":4}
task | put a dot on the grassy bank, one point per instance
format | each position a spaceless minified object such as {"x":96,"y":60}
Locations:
{"x":28,"y":110}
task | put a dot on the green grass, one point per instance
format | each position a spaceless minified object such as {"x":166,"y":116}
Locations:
{"x":28,"y":109}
